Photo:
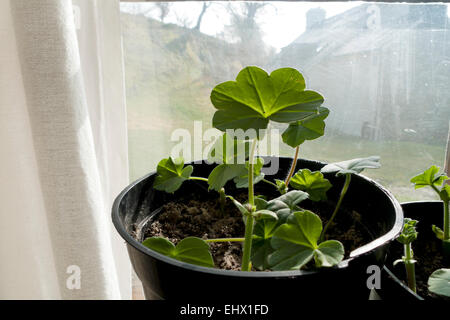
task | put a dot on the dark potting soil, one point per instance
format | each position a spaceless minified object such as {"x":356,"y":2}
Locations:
{"x":428,"y":255}
{"x":200,"y":216}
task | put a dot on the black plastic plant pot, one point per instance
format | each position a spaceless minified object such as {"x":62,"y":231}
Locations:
{"x":166,"y":278}
{"x":392,"y":285}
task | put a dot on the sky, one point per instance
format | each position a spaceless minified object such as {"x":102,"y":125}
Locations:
{"x":281,"y":22}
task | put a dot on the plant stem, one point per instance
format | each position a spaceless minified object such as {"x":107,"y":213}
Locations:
{"x":223,"y":199}
{"x":293,"y":165}
{"x":226,"y":240}
{"x":249,"y":223}
{"x":250,"y":172}
{"x":270,"y":182}
{"x":410,"y":268}
{"x":446,"y":221}
{"x":198,"y":178}
{"x":247,"y":244}
{"x":446,"y":240}
{"x":348,"y":177}
{"x":445,"y":227}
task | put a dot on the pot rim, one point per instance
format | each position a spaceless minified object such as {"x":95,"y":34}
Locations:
{"x":365,"y":249}
{"x":394,"y":278}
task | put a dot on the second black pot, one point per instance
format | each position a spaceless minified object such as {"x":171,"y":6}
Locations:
{"x":166,"y":278}
{"x":392,"y":285}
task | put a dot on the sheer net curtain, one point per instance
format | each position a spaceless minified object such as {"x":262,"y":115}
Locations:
{"x":63,"y":149}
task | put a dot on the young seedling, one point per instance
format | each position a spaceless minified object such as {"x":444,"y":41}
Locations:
{"x":347,"y":168}
{"x":279,"y":235}
{"x":432,"y":178}
{"x":408,"y":235}
{"x":251,"y":102}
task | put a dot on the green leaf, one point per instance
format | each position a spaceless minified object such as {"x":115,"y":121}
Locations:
{"x":439,"y":282}
{"x":293,"y":198}
{"x":190,"y":250}
{"x":281,"y":186}
{"x":171,"y":174}
{"x":289,"y":256}
{"x":242,"y":181}
{"x":280,"y":208}
{"x":445,"y":193}
{"x":438,"y":232}
{"x":265,"y":214}
{"x":160,"y":245}
{"x":352,"y":166}
{"x":264,"y":230}
{"x":409,"y":233}
{"x":309,"y":128}
{"x":229,"y":152}
{"x":295,"y":244}
{"x":429,"y":177}
{"x":195,"y":251}
{"x":224,"y":173}
{"x":261,"y":247}
{"x":240,"y":206}
{"x":260,"y":203}
{"x":329,"y":253}
{"x":302,"y":228}
{"x":255,"y":98}
{"x":311,"y":182}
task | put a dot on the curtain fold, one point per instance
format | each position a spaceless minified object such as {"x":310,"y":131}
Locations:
{"x":63,"y":122}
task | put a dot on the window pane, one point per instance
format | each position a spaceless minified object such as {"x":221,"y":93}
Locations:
{"x":384,"y":70}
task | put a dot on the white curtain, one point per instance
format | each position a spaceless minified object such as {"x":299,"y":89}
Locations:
{"x":63,"y":150}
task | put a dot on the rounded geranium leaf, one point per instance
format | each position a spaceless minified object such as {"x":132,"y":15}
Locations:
{"x":160,"y":245}
{"x":171,"y":174}
{"x":309,"y":128}
{"x":256,"y":97}
{"x":445,"y":193}
{"x":190,"y":250}
{"x":223,"y":173}
{"x":352,"y":166}
{"x":329,"y":253}
{"x":265,"y":214}
{"x":311,"y":182}
{"x":439,"y":282}
{"x":295,"y":243}
{"x":429,"y":177}
{"x":292,"y":198}
{"x":263,"y":232}
{"x":195,"y":251}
